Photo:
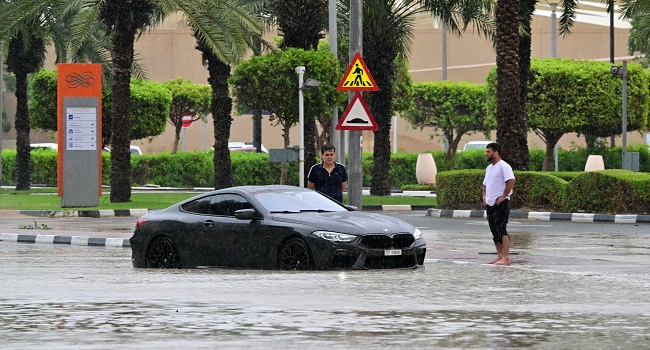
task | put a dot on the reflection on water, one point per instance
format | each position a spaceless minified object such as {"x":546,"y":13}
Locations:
{"x":196,"y":325}
{"x":80,"y":298}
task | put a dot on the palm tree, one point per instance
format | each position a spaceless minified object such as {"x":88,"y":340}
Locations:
{"x":512,"y":128}
{"x":122,"y":21}
{"x":26,"y":55}
{"x":236,"y":36}
{"x":639,"y":10}
{"x":388,"y":29}
{"x":27,"y":38}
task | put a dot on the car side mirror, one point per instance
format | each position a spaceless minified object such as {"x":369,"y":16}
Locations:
{"x":246,"y":214}
{"x":352,"y":207}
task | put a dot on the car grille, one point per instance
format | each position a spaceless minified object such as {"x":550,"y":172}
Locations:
{"x":387,"y":242}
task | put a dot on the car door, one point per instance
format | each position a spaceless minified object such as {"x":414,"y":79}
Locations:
{"x":199,"y":238}
{"x":235,"y":237}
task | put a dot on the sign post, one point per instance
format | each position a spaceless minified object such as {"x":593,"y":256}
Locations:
{"x":79,"y":90}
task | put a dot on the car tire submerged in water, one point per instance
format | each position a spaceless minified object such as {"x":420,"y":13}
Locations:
{"x":162,"y":254}
{"x":294,"y":255}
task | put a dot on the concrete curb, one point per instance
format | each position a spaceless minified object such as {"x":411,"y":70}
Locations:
{"x":69,"y":240}
{"x":82,"y":213}
{"x":545,"y":216}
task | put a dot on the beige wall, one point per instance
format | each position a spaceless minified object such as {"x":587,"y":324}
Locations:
{"x":169,"y":52}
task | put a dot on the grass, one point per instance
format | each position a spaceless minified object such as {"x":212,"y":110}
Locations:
{"x":47,"y":199}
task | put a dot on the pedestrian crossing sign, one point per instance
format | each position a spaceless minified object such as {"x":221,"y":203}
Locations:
{"x":357,"y":116}
{"x":357,"y":77}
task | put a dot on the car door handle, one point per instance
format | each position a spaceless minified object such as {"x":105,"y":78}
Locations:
{"x":208,"y":223}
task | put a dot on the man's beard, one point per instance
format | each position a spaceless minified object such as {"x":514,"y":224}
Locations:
{"x":490,"y":159}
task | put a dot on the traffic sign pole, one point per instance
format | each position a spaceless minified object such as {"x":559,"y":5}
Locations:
{"x":355,"y":178}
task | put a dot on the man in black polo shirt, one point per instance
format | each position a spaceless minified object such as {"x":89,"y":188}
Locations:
{"x":328,"y":177}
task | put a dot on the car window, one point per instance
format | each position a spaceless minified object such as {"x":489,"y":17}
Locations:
{"x":297,"y":201}
{"x":199,"y":206}
{"x":227,"y":204}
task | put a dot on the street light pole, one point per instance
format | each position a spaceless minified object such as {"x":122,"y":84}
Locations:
{"x":626,"y":164}
{"x":553,"y":35}
{"x":1,"y":92}
{"x":336,"y":138}
{"x":301,"y":120}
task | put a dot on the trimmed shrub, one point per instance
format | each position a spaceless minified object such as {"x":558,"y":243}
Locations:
{"x":609,"y":191}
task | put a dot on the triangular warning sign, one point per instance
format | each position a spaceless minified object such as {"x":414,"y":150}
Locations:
{"x":357,"y":116}
{"x":357,"y":77}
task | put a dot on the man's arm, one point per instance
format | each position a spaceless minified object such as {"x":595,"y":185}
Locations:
{"x":311,"y":185}
{"x":344,"y":185}
{"x":509,"y":185}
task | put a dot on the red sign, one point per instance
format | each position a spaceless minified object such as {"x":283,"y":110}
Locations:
{"x":357,"y":77}
{"x":357,"y":116}
{"x":187,"y":121}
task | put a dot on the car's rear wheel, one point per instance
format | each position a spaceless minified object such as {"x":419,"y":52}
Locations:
{"x":162,"y":254}
{"x":294,"y":255}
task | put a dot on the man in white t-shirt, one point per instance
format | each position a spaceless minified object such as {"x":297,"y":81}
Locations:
{"x":497,"y":189}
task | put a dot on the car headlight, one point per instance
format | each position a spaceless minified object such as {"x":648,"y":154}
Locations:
{"x":417,"y":234}
{"x":334,"y":236}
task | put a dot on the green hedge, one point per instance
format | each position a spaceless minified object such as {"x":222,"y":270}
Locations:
{"x":610,"y":191}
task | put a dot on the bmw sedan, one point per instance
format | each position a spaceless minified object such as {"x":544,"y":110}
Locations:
{"x":273,"y":227}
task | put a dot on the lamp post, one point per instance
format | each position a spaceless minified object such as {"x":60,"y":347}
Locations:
{"x":301,"y":122}
{"x":621,"y":71}
{"x":303,"y":85}
{"x":553,"y":35}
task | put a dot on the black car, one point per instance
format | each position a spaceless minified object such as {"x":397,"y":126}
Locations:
{"x":273,"y":227}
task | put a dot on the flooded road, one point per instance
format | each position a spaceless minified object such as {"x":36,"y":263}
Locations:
{"x":554,"y":296}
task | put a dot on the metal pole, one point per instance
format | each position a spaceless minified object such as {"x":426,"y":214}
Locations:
{"x":335,"y":135}
{"x":1,"y":106}
{"x":355,"y":172}
{"x":553,"y":30}
{"x":184,"y":139}
{"x":553,"y":35}
{"x":301,"y":122}
{"x":395,"y":133}
{"x":626,"y":165}
{"x":444,"y":51}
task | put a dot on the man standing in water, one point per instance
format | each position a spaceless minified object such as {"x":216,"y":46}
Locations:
{"x":497,"y":189}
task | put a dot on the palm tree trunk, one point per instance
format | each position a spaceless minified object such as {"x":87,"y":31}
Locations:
{"x":23,"y":159}
{"x":511,"y":119}
{"x":122,"y":40}
{"x":221,"y":109}
{"x":381,"y":107}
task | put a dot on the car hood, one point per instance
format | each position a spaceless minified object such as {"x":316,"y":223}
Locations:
{"x":352,"y":222}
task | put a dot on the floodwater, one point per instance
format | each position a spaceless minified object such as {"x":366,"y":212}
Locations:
{"x":71,"y":297}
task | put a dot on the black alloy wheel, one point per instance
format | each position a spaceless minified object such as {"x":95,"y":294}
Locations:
{"x":162,"y":254}
{"x":294,"y":255}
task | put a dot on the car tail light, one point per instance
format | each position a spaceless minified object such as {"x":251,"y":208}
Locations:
{"x":140,"y":222}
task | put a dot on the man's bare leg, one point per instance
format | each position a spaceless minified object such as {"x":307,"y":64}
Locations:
{"x":505,"y":251}
{"x":499,"y":256}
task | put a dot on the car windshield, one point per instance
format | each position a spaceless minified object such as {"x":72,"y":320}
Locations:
{"x":297,"y":201}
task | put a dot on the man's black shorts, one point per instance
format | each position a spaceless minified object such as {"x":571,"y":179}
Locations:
{"x":497,"y":216}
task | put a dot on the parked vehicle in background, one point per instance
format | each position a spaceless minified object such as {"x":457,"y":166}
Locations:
{"x":238,"y":146}
{"x":273,"y":227}
{"x":47,"y":146}
{"x":474,"y":145}
{"x":135,"y":150}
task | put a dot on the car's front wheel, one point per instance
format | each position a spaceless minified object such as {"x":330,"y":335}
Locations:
{"x":294,"y":255}
{"x":162,"y":254}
